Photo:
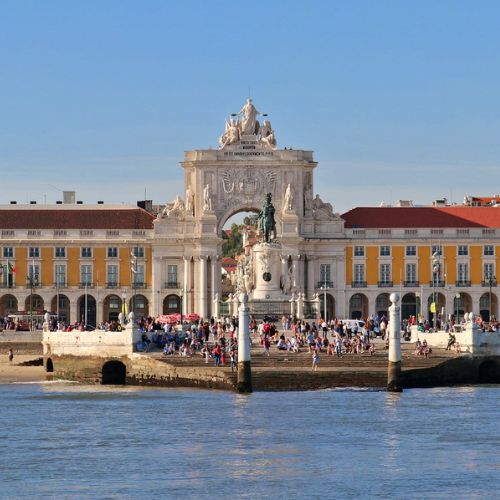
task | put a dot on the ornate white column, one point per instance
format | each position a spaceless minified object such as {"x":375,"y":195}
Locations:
{"x":310,"y":277}
{"x":186,"y":285}
{"x":244,"y":366}
{"x":394,"y":364}
{"x":202,"y":269}
{"x":295,"y":273}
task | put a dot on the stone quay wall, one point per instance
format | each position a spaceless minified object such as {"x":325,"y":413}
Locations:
{"x":471,"y":339}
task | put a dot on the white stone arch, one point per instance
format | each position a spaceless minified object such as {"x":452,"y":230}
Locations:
{"x":247,"y":207}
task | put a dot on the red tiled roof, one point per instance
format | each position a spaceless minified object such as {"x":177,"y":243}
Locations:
{"x":425,"y":217}
{"x":101,"y":218}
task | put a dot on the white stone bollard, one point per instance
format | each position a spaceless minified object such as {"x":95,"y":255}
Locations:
{"x":394,"y":363}
{"x":244,"y":364}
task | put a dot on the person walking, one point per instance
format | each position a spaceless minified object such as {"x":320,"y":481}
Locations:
{"x":315,"y":361}
{"x":10,"y":355}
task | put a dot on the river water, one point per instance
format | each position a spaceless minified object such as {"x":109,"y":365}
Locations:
{"x":71,"y":441}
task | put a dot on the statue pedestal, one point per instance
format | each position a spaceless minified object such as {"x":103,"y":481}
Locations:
{"x":267,"y":265}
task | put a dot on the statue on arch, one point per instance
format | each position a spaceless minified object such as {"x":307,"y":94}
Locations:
{"x":322,"y":210}
{"x":267,"y":223}
{"x":231,"y":135}
{"x":176,"y":207}
{"x":189,"y":200}
{"x":249,"y":124}
{"x":207,"y":198}
{"x":288,"y":200}
{"x":267,"y":136}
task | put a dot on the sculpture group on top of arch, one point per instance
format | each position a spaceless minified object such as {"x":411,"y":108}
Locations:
{"x":245,"y":123}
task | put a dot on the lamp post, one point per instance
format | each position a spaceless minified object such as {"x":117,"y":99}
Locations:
{"x":435,"y":271}
{"x":124,"y":302}
{"x":491,"y":280}
{"x":417,"y":302}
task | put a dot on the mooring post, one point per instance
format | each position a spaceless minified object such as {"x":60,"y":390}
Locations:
{"x":244,"y":367}
{"x":394,"y":364}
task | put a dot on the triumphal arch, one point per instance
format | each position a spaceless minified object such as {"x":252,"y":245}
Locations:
{"x":244,"y":173}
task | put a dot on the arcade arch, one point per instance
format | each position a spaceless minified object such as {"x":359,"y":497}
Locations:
{"x":488,"y":303}
{"x":8,"y":304}
{"x":382,"y":305}
{"x":440,"y":305}
{"x":358,"y":306}
{"x":64,"y":307}
{"x":112,"y":306}
{"x":171,"y":304}
{"x":34,"y":303}
{"x":86,"y":307}
{"x":140,"y":305}
{"x":409,"y":306}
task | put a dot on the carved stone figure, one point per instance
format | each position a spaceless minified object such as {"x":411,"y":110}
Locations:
{"x":189,"y":201}
{"x":322,"y":210}
{"x":231,"y":135}
{"x":177,"y":207}
{"x":288,"y":200}
{"x":249,"y":118}
{"x":267,"y":136}
{"x":267,"y":223}
{"x":207,"y":198}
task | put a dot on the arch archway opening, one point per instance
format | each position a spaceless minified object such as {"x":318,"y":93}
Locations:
{"x":440,"y":300}
{"x":488,"y":307}
{"x":114,"y":373}
{"x":409,"y":305}
{"x":87,"y":310}
{"x":63,"y":307}
{"x":358,"y":306}
{"x":8,"y":305}
{"x":382,"y":305}
{"x":329,"y":313}
{"x":112,"y":305}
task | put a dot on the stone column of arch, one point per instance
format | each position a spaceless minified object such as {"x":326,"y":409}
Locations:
{"x":186,"y":285}
{"x":202,"y":286}
{"x":310,"y":276}
{"x":215,"y":274}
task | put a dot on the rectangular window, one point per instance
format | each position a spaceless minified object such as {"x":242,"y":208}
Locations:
{"x":7,"y":277}
{"x":411,"y":251}
{"x":60,"y":275}
{"x":112,"y":276}
{"x":138,"y":251}
{"x":138,"y":279}
{"x":86,"y":252}
{"x":385,"y":273}
{"x":86,"y":274}
{"x":411,"y":273}
{"x":463,"y":272}
{"x":436,"y":249}
{"x":359,"y":251}
{"x":34,"y":252}
{"x":34,"y":275}
{"x":8,"y":252}
{"x":488,"y":271}
{"x":463,"y":250}
{"x":325,"y":273}
{"x":385,"y":251}
{"x":60,"y":252}
{"x":112,"y":252}
{"x":487,"y":250}
{"x":172,"y":275}
{"x":359,"y":273}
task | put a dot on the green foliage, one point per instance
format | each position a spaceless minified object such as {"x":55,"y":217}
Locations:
{"x":233,"y":244}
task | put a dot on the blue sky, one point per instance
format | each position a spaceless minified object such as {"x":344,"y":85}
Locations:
{"x":398,"y":99}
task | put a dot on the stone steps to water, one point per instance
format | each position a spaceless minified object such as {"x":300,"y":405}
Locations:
{"x":278,"y":360}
